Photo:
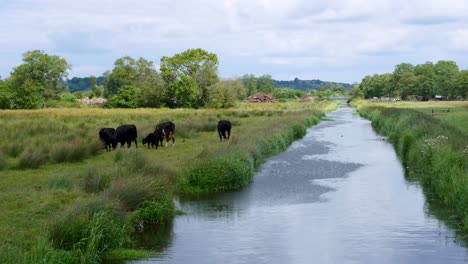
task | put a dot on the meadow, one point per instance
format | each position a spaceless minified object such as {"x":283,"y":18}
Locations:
{"x":64,"y":199}
{"x":433,"y":151}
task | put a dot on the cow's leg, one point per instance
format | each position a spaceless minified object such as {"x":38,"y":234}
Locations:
{"x":136,"y":144}
{"x":229,"y":134}
{"x":220,"y":136}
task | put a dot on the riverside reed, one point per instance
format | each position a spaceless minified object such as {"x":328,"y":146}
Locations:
{"x":64,"y":199}
{"x":433,"y":150}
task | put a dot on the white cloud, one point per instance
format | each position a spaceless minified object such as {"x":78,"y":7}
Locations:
{"x":274,"y":35}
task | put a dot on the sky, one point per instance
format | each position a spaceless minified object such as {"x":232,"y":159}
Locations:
{"x":331,"y":40}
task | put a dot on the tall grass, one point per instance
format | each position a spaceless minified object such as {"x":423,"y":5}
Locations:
{"x":431,"y":151}
{"x":93,"y":199}
{"x":233,"y":167}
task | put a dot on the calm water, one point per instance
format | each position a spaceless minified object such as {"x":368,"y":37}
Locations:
{"x":336,"y":196}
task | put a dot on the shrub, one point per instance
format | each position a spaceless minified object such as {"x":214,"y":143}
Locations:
{"x":32,"y":158}
{"x":218,"y":173}
{"x":154,"y":212}
{"x":95,"y":180}
{"x":60,"y":182}
{"x":132,"y":191}
{"x":88,"y":228}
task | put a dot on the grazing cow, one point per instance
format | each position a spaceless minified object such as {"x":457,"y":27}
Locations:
{"x":224,"y":130}
{"x":127,"y":134}
{"x":151,"y":139}
{"x":109,"y":137}
{"x":167,"y":130}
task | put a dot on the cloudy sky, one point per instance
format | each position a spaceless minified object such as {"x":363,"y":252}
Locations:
{"x":334,"y":40}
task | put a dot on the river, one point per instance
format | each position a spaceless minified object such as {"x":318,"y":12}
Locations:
{"x":338,"y":195}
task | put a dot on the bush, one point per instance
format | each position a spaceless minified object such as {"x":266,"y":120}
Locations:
{"x":154,"y":212}
{"x":132,"y":191}
{"x":96,"y":180}
{"x":88,"y":228}
{"x":218,"y":173}
{"x":32,"y":158}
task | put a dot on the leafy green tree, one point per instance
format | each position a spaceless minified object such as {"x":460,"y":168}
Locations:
{"x":226,"y":93}
{"x":250,"y":82}
{"x":404,"y":79}
{"x":265,"y":84}
{"x":447,"y":73}
{"x":140,"y":74}
{"x":153,"y":90}
{"x":195,"y":67}
{"x":287,"y":93}
{"x":356,"y":91}
{"x":462,"y":84}
{"x":426,"y":80}
{"x":6,"y":96}
{"x":126,"y":97}
{"x":40,"y":77}
{"x":123,"y":74}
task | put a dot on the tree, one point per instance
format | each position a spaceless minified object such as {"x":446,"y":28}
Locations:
{"x":250,"y":82}
{"x":124,"y":73}
{"x":195,"y":67}
{"x":153,"y":90}
{"x":126,"y":97}
{"x":40,"y":77}
{"x":356,"y":91}
{"x":265,"y":84}
{"x":6,"y":96}
{"x":462,"y":84}
{"x":226,"y":93}
{"x":404,"y":79}
{"x":140,"y":74}
{"x":426,"y":80}
{"x":447,"y":73}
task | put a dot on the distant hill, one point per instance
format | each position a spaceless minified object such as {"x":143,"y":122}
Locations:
{"x":82,"y":84}
{"x":308,"y":84}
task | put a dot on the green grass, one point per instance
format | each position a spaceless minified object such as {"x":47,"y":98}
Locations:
{"x":433,"y":151}
{"x":58,"y":185}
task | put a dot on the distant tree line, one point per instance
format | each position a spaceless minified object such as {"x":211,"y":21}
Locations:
{"x":187,"y":79}
{"x":423,"y":80}
{"x":306,"y":85}
{"x":83,"y":84}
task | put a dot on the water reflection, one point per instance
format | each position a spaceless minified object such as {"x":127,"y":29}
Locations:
{"x":339,"y":195}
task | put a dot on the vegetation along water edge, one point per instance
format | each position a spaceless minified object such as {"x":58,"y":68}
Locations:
{"x":432,"y":149}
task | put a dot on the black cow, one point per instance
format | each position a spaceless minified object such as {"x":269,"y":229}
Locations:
{"x":109,"y":137}
{"x":167,"y":130}
{"x":224,"y":130}
{"x":127,"y":134}
{"x":151,"y":139}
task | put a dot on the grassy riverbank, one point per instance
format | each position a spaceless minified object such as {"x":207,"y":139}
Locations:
{"x":66,"y":200}
{"x":433,"y":149}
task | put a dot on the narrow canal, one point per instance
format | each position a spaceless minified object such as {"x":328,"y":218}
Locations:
{"x":338,"y":195}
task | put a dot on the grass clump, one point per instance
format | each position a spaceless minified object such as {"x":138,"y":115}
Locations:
{"x":132,"y":191}
{"x":218,"y":173}
{"x":87,"y":229}
{"x":32,"y":158}
{"x":154,"y":212}
{"x":96,"y":180}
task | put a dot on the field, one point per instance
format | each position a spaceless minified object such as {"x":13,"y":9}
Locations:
{"x":457,"y":117}
{"x":64,"y":199}
{"x":433,"y":150}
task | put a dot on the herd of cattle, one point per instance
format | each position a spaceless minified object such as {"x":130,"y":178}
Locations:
{"x":128,"y":133}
